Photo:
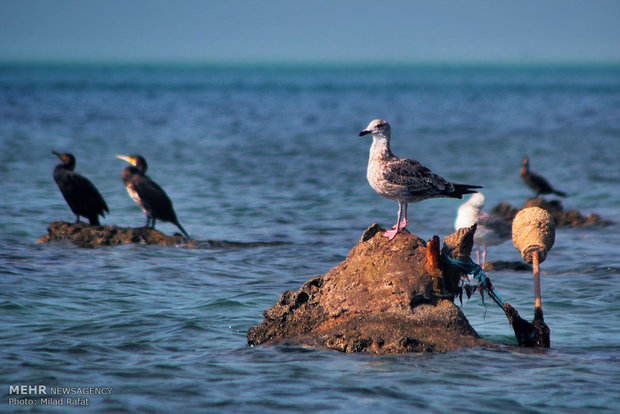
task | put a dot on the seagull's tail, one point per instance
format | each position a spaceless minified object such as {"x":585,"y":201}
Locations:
{"x":460,"y":189}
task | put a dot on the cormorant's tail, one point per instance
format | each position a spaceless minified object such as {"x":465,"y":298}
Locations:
{"x":94,"y":221}
{"x":176,"y":223}
{"x":460,"y":189}
{"x":560,"y":193}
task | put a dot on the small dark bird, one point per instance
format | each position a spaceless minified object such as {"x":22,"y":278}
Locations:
{"x":536,"y":182}
{"x":151,"y":198}
{"x":403,"y":180}
{"x":81,"y":195}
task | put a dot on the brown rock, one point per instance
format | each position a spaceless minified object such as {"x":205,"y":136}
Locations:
{"x":562,"y":218}
{"x":85,"y":235}
{"x":385,"y":297}
{"x":506,"y":265}
{"x":505,"y":211}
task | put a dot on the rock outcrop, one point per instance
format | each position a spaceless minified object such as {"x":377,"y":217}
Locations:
{"x":499,"y":265}
{"x":386,"y":297}
{"x":85,"y":235}
{"x":562,"y":218}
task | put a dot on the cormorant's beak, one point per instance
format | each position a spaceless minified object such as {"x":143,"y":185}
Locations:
{"x":364,"y":132}
{"x":61,"y":157}
{"x":127,"y":158}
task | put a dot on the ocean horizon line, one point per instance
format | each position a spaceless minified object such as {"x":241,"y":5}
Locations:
{"x":291,"y":63}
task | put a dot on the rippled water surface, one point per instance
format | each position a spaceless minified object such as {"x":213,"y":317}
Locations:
{"x":271,"y":154}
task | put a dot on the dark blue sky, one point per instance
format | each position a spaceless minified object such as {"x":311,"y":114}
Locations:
{"x":317,"y":30}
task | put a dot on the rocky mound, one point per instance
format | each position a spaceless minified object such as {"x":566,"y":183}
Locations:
{"x":385,"y":297}
{"x":562,"y":218}
{"x":499,"y":265}
{"x":85,"y":235}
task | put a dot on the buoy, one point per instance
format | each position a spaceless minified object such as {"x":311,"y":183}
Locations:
{"x":533,"y":235}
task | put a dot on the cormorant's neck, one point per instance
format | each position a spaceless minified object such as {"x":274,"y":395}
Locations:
{"x":131,"y":170}
{"x":141,"y":168}
{"x":380,"y":147}
{"x":69,"y":167}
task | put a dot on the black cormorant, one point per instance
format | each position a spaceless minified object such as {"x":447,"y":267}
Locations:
{"x":537,"y":182}
{"x":81,"y":195}
{"x":151,"y":198}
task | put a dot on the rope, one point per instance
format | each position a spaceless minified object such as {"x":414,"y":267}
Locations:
{"x":474,"y":269}
{"x":527,"y":334}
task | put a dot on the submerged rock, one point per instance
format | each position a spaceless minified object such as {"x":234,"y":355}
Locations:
{"x":507,"y":265}
{"x":385,"y":297}
{"x":85,"y":235}
{"x":562,"y":218}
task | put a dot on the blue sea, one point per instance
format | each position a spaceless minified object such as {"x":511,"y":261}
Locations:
{"x":271,"y":154}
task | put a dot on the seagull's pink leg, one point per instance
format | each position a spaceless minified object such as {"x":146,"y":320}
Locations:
{"x":484,"y":256}
{"x":390,"y":234}
{"x":403,"y":223}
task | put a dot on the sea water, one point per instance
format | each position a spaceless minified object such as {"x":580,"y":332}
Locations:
{"x":271,"y":154}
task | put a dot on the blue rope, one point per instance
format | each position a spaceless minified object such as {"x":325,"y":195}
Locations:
{"x":474,"y":269}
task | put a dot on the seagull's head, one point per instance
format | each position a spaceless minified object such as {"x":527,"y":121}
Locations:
{"x":476,"y":200}
{"x":379,"y":128}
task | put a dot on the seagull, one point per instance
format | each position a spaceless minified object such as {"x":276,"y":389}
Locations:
{"x":491,"y":231}
{"x":537,"y":182}
{"x":403,"y":180}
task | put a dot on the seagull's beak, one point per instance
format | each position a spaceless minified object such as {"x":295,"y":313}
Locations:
{"x":130,"y":160}
{"x":364,"y":132}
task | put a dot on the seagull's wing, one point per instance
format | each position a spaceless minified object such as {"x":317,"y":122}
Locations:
{"x":416,"y":179}
{"x":497,"y":224}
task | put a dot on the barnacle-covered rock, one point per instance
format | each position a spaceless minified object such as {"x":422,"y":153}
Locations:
{"x":386,"y":297}
{"x":562,"y":218}
{"x":85,"y":235}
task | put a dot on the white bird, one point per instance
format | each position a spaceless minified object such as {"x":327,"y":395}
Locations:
{"x":491,"y":231}
{"x":404,"y":180}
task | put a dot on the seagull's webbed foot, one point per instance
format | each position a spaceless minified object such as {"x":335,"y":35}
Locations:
{"x":402,"y":225}
{"x":390,"y":234}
